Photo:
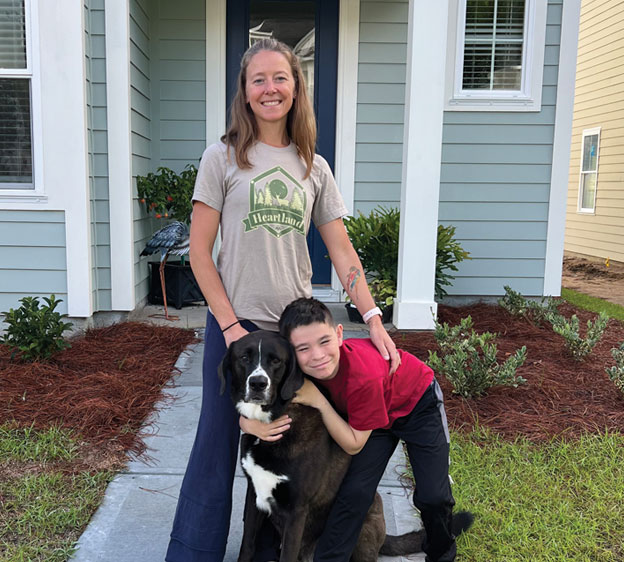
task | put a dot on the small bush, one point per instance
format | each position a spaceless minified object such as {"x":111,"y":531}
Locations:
{"x":469,"y":360}
{"x":576,"y":345}
{"x":33,"y":331}
{"x":537,"y":312}
{"x":616,"y":373}
{"x":448,"y":253}
{"x":375,"y":238}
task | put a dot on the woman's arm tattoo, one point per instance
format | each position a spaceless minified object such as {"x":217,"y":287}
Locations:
{"x":352,"y":278}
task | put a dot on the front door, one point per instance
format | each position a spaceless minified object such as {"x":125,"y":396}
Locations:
{"x":311,"y":29}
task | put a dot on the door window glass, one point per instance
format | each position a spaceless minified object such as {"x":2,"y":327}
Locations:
{"x":289,"y":22}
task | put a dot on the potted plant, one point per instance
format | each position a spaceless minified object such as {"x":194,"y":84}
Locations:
{"x":383,"y":292}
{"x":375,"y":238}
{"x":167,"y":197}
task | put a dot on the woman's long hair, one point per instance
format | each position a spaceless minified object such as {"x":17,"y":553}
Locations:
{"x":242,"y":132}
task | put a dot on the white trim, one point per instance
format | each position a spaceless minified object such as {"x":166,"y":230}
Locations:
{"x":530,"y":97}
{"x":346,"y":98}
{"x":216,"y":101}
{"x":216,"y":97}
{"x":579,"y":205}
{"x":415,"y":307}
{"x":346,"y":111}
{"x":561,"y":147}
{"x":121,"y":190}
{"x":64,"y":138}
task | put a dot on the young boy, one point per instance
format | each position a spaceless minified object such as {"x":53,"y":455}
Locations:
{"x":381,"y":410}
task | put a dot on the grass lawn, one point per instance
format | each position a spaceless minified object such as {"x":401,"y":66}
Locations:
{"x":594,"y":304}
{"x":540,"y":503}
{"x":44,"y":504}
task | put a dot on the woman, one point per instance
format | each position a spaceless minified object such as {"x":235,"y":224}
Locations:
{"x":262,"y":184}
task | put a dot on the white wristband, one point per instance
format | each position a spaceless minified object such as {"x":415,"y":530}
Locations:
{"x":372,"y":312}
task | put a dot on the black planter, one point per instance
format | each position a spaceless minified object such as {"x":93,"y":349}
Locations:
{"x":355,"y":316}
{"x":180,"y":284}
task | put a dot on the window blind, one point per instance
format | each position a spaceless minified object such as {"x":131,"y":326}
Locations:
{"x":12,"y":34}
{"x":493,"y":45}
{"x":15,"y":131}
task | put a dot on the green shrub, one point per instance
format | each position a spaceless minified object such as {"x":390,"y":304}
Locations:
{"x":537,"y":312}
{"x":616,"y":373}
{"x":375,"y":238}
{"x":469,"y":360}
{"x":167,"y":194}
{"x":576,"y":345}
{"x":34,"y":331}
{"x":448,"y":253}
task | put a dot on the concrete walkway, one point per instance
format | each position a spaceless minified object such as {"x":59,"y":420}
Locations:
{"x":134,"y":520}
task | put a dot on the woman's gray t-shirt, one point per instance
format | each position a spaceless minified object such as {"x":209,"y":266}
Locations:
{"x":265,"y":216}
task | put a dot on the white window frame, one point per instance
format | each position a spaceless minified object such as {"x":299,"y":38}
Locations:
{"x":529,"y":97}
{"x":34,"y":192}
{"x":588,"y":210}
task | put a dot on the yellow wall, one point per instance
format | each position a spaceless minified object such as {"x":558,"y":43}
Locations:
{"x":599,"y":102}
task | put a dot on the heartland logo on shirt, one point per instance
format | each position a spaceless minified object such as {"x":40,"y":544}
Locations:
{"x":277,"y":203}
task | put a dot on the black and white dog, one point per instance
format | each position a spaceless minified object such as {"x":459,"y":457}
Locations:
{"x":294,"y":480}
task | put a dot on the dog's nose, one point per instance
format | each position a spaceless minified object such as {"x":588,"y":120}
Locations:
{"x":258,"y":383}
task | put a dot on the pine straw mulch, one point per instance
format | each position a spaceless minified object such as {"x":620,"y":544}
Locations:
{"x":562,"y":397}
{"x":103,"y":387}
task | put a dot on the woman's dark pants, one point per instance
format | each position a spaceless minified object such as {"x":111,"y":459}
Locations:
{"x":202,"y":519}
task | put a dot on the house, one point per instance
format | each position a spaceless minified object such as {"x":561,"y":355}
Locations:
{"x":457,"y":112}
{"x":595,"y":210}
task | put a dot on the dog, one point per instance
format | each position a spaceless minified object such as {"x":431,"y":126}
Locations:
{"x":294,"y":480}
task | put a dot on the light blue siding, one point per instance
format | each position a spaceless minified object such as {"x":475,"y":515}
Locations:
{"x":141,"y":124}
{"x":181,"y":83}
{"x":168,"y":77}
{"x":380,"y":104}
{"x":495,"y":184}
{"x":32,"y":257}
{"x":97,"y":139}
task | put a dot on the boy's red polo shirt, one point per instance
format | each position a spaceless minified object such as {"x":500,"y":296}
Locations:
{"x":365,"y":392}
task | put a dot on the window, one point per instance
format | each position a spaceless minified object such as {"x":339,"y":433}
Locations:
{"x":496,"y":55}
{"x":589,"y":171}
{"x":16,"y":157}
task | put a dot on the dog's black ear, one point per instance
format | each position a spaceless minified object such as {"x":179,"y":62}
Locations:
{"x":293,"y":380}
{"x":223,"y":369}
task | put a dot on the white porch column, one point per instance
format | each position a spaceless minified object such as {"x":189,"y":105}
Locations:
{"x":64,"y":139}
{"x":570,"y":20}
{"x":216,"y":103}
{"x":422,"y":150}
{"x":120,"y":186}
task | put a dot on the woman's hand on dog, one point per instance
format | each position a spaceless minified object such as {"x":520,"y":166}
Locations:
{"x":234,"y":333}
{"x":383,"y":342}
{"x":265,"y":431}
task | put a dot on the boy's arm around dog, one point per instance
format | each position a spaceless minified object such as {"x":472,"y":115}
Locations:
{"x":350,"y":440}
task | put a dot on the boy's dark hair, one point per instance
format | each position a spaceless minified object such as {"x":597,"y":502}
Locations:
{"x":303,"y":312}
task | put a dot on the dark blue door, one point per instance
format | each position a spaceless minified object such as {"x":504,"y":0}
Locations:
{"x":311,"y":29}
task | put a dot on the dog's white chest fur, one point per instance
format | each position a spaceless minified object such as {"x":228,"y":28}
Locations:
{"x":263,"y":480}
{"x":253,"y":412}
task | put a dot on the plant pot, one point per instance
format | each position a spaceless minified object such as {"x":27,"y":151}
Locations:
{"x":355,"y":316}
{"x":180,"y":284}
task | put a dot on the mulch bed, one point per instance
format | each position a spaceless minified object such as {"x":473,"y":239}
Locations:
{"x":108,"y":382}
{"x":103,"y":387}
{"x":562,"y":397}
